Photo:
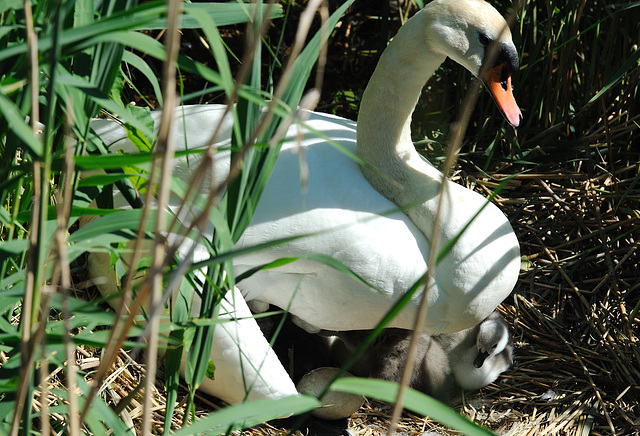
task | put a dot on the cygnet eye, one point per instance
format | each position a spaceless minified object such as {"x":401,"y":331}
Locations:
{"x":494,"y":346}
{"x":484,"y":39}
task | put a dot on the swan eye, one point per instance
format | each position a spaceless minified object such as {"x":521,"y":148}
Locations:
{"x":484,"y":39}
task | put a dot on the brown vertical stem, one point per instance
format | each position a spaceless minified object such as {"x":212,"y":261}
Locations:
{"x":458,"y":130}
{"x":164,"y":154}
{"x":31,"y":286}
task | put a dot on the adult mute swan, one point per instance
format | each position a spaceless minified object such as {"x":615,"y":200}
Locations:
{"x":354,"y":217}
{"x":390,"y":250}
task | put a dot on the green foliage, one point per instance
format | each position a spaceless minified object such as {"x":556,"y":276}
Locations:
{"x":80,"y":50}
{"x":415,"y":401}
{"x":248,"y":414}
{"x":579,"y":75}
{"x":575,"y":52}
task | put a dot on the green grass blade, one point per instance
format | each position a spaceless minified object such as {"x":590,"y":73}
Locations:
{"x":16,"y":123}
{"x":632,"y":61}
{"x":248,"y":414}
{"x":415,"y":401}
{"x":138,"y":63}
{"x":224,"y":14}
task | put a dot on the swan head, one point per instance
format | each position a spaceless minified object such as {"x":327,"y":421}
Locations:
{"x":466,"y":31}
{"x":492,"y":339}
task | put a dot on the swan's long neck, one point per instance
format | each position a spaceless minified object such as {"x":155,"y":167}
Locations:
{"x":384,"y":124}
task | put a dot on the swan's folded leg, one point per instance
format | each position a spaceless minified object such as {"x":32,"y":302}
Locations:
{"x":245,"y":363}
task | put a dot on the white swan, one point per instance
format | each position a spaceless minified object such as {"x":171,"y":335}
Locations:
{"x":388,"y":250}
{"x":443,"y":364}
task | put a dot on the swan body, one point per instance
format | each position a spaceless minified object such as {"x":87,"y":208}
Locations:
{"x":390,"y":251}
{"x":469,"y":359}
{"x":353,"y":215}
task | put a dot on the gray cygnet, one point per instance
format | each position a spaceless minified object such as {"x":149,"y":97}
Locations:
{"x":444,"y":363}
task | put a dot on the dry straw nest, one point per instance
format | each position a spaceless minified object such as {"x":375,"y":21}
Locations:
{"x":574,"y":310}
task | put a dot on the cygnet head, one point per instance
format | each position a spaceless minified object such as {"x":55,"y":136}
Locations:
{"x":493,"y":338}
{"x":480,"y":363}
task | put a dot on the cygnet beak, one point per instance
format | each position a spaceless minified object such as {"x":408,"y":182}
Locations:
{"x":480,"y":358}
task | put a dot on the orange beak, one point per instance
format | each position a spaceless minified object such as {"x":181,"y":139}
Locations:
{"x":500,"y":88}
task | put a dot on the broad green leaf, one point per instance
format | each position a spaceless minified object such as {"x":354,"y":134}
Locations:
{"x":224,"y":14}
{"x":114,"y":222}
{"x":248,"y":414}
{"x":17,"y":124}
{"x":79,"y":38}
{"x":10,"y":4}
{"x":146,"y":16}
{"x":10,"y":298}
{"x":12,"y":247}
{"x":111,"y":161}
{"x":7,"y":407}
{"x":117,"y":161}
{"x":102,"y":179}
{"x":138,"y":63}
{"x":75,"y":212}
{"x":415,"y":401}
{"x":96,"y":95}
